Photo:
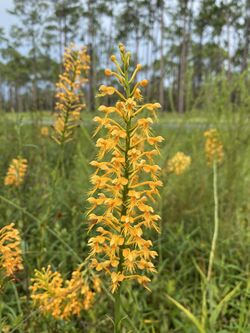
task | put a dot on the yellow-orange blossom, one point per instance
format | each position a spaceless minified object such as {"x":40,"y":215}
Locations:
{"x":16,"y":172}
{"x":10,"y":250}
{"x":69,"y":97}
{"x":63,"y":299}
{"x":125,"y":182}
{"x":213,"y":146}
{"x":179,"y":163}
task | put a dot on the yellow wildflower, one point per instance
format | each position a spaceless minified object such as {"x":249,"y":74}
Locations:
{"x":16,"y":172}
{"x":105,"y":90}
{"x":116,"y":279}
{"x":137,"y":95}
{"x":179,"y":163}
{"x":125,"y":181}
{"x":97,"y":284}
{"x":63,"y":299}
{"x":45,"y":131}
{"x":69,"y":97}
{"x":10,"y":251}
{"x":213,"y":146}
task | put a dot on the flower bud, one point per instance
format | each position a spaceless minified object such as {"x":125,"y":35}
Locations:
{"x":108,"y":72}
{"x":121,"y":47}
{"x":144,"y":83}
{"x":157,"y":105}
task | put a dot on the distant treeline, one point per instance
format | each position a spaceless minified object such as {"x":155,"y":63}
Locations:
{"x":181,"y":43}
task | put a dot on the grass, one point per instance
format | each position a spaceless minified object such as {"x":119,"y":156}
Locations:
{"x":50,"y":210}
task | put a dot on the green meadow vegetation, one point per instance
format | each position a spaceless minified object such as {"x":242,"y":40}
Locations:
{"x":124,"y":171}
{"x":49,"y":210}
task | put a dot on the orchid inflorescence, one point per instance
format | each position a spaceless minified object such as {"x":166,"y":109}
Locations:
{"x":63,"y":298}
{"x":69,"y":96}
{"x":213,"y":147}
{"x":10,"y":251}
{"x":16,"y":172}
{"x":125,"y":181}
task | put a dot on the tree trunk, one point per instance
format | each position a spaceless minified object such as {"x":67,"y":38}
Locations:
{"x":162,"y":55}
{"x":1,"y":97}
{"x":199,"y":63}
{"x":246,"y":35}
{"x":65,"y":37}
{"x":186,"y":31}
{"x":110,"y":36}
{"x":92,"y":78}
{"x":183,"y":63}
{"x":137,"y":45}
{"x":11,"y":98}
{"x":229,"y":46}
{"x":60,"y":43}
{"x":91,"y":92}
{"x":35,"y":104}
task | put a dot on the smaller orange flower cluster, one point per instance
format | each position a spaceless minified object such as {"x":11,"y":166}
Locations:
{"x":10,"y":252}
{"x":213,"y":147}
{"x":16,"y":172}
{"x":63,"y":299}
{"x":179,"y":163}
{"x":69,"y":105}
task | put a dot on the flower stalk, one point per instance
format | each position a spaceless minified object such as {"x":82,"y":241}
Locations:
{"x":207,"y":281}
{"x":216,"y":222}
{"x":124,"y":184}
{"x":214,"y":154}
{"x":70,"y":98}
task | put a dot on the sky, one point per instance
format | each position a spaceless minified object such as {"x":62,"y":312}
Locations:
{"x":6,"y":20}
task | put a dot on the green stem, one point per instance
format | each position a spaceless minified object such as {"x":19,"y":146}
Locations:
{"x":117,"y":319}
{"x":87,"y":136}
{"x":117,"y":305}
{"x":206,"y":286}
{"x":160,"y":233}
{"x":204,"y":304}
{"x":216,"y":223}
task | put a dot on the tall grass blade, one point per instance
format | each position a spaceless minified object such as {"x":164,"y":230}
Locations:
{"x":190,"y":316}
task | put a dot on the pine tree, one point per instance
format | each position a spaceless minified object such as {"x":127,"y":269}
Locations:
{"x":29,"y":28}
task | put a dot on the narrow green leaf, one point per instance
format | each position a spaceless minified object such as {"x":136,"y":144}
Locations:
{"x":199,"y":269}
{"x":216,"y":312}
{"x":190,"y":316}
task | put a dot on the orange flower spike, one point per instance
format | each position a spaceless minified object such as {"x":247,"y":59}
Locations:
{"x":61,"y":298}
{"x":16,"y":172}
{"x":69,"y":97}
{"x":213,"y":147}
{"x":125,"y":182}
{"x":10,"y":258}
